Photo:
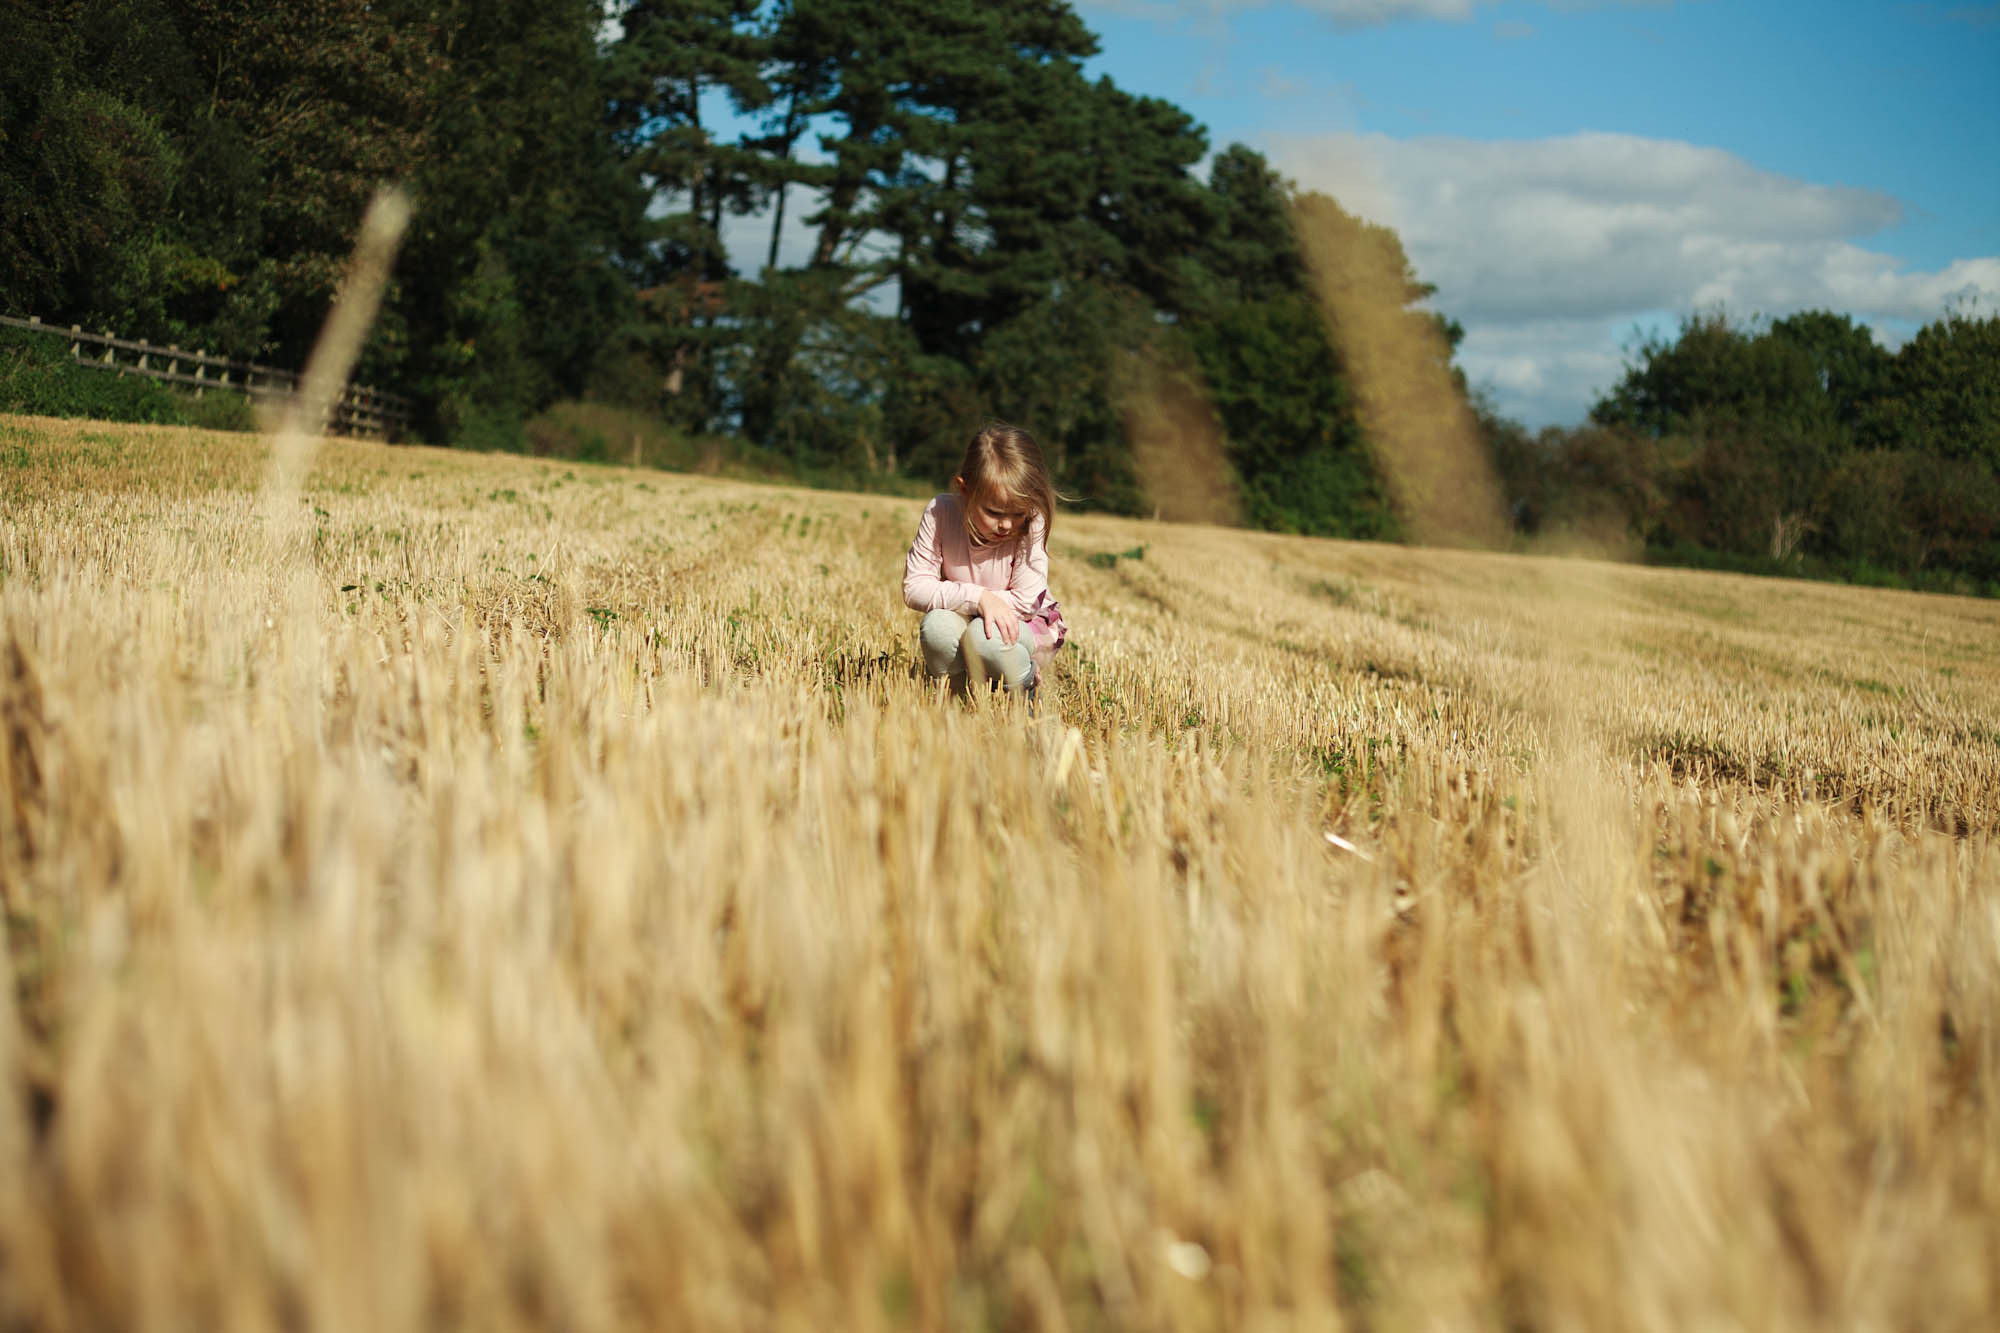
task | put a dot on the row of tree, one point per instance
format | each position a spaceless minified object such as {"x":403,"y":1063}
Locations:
{"x":992,"y":232}
{"x":987,"y":232}
{"x":192,"y":171}
{"x":1801,"y":442}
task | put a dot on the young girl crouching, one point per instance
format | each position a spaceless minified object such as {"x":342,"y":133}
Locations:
{"x":979,"y":567}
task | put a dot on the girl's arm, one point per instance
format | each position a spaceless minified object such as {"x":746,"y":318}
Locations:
{"x":924,"y":587}
{"x":1029,"y":578}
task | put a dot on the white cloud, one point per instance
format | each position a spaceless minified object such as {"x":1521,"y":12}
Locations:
{"x":1547,"y":371}
{"x":1549,"y":250}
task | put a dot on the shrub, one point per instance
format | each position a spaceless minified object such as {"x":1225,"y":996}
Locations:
{"x":592,"y":432}
{"x":217,"y":409}
{"x":38,"y":378}
{"x":488,"y":430}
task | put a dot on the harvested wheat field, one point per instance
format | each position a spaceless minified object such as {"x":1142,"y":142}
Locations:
{"x":483,"y":893}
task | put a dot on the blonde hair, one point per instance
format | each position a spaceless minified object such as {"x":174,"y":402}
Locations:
{"x":1004,"y":460}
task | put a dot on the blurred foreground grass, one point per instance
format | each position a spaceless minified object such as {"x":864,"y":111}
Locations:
{"x":513,"y":894}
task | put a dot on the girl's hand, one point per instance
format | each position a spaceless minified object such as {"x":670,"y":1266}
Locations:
{"x":998,"y":613}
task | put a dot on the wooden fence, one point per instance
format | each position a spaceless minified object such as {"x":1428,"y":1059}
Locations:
{"x":360,"y":410}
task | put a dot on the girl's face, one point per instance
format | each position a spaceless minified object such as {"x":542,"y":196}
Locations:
{"x":994,"y":518}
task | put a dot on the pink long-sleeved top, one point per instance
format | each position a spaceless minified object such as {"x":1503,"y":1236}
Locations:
{"x":946,"y":572}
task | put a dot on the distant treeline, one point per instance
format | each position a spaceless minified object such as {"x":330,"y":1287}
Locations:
{"x":988,"y":232}
{"x":1797,"y":446}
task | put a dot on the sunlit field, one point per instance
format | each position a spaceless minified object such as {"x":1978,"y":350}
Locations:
{"x":480,"y":892}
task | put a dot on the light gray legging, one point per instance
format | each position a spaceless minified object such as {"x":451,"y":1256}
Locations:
{"x":948,"y":637}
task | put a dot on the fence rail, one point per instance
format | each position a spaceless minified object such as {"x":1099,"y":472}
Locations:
{"x":360,"y":410}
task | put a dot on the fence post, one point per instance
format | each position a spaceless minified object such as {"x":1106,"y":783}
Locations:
{"x":75,"y":343}
{"x":110,"y":352}
{"x":200,"y":370}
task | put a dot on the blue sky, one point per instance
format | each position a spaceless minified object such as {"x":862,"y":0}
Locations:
{"x":1568,"y":172}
